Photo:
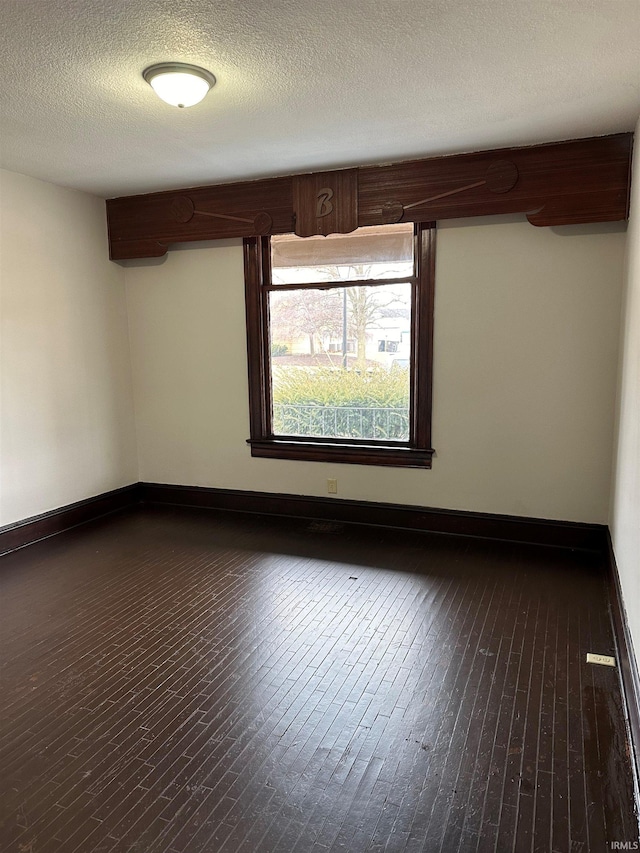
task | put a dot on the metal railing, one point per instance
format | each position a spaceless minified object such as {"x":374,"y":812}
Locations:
{"x":341,"y":421}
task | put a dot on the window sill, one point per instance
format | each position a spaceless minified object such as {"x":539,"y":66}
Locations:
{"x":354,"y":454}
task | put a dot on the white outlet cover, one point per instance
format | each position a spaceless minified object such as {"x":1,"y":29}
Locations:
{"x":603,"y":660}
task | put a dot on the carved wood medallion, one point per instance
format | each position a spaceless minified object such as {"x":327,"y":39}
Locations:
{"x":325,"y":203}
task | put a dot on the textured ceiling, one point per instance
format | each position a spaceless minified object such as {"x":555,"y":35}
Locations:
{"x":303,"y":84}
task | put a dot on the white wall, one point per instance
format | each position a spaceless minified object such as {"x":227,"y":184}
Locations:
{"x":66,"y":412}
{"x":526,"y":343}
{"x":625,"y":499}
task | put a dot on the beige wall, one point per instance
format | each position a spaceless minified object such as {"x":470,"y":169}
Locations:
{"x":526,"y":343}
{"x":625,"y":499}
{"x":66,"y":411}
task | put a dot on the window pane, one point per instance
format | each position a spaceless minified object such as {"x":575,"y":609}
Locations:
{"x":379,"y":252}
{"x":340,"y":362}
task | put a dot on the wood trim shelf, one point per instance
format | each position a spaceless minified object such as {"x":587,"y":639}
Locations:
{"x":578,"y":181}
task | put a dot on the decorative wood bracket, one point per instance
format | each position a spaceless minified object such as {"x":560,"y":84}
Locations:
{"x":585,"y":180}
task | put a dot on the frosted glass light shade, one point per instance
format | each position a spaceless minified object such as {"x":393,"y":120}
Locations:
{"x":179,"y":84}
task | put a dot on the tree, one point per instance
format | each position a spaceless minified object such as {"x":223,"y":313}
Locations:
{"x":366,"y":306}
{"x":305,"y":312}
{"x":317,"y":313}
{"x":364,"y":311}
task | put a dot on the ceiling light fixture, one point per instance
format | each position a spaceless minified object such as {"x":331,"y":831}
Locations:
{"x":179,"y":84}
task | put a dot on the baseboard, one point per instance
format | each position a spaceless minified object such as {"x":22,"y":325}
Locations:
{"x":563,"y":534}
{"x":560,"y":534}
{"x":627,"y":665}
{"x":29,"y":530}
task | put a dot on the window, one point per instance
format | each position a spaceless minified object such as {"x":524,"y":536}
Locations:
{"x":339,"y":339}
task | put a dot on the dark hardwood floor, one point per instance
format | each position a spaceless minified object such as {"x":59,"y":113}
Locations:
{"x":186,"y":680}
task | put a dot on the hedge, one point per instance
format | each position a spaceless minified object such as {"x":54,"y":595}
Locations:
{"x":328,"y":386}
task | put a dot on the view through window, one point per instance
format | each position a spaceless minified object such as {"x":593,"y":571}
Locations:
{"x":339,"y":340}
{"x":341,"y":355}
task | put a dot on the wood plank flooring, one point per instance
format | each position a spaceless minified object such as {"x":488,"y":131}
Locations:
{"x":178,"y":681}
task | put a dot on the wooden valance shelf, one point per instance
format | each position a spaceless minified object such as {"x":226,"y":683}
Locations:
{"x":585,"y":180}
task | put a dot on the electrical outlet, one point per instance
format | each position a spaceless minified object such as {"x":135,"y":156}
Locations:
{"x":604,"y":660}
{"x":332,"y":486}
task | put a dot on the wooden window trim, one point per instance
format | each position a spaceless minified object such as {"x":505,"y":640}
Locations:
{"x":417,"y":452}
